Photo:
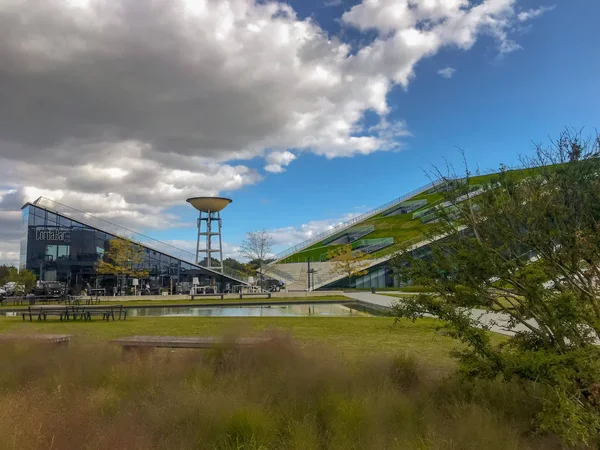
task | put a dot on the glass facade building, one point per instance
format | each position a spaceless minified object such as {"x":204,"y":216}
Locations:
{"x":380,"y":276}
{"x":57,"y":247}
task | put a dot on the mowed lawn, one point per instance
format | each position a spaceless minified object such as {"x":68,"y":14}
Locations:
{"x":349,"y":337}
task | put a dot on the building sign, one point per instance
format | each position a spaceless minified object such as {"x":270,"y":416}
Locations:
{"x":52,"y":234}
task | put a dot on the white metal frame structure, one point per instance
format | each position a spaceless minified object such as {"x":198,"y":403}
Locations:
{"x":210,"y":215}
{"x":206,"y":223}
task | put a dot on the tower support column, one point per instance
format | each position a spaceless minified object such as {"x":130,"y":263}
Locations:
{"x":205,"y":246}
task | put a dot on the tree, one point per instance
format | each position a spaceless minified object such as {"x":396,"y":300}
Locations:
{"x":257,"y":247}
{"x":214,"y":262}
{"x":4,"y":272}
{"x":528,"y":246}
{"x":234,"y":264}
{"x":349,"y":262}
{"x":24,"y":278}
{"x":122,"y":259}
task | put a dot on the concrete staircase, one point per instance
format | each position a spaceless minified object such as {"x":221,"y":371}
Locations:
{"x":292,"y":274}
{"x":295,"y":276}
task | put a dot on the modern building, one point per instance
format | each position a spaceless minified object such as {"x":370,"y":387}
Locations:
{"x":60,"y":243}
{"x":379,"y":234}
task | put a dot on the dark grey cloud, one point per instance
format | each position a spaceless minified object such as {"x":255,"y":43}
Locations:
{"x":10,"y":225}
{"x":129,"y":70}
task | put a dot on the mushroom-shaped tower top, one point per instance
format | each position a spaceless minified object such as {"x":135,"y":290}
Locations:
{"x":209,"y":204}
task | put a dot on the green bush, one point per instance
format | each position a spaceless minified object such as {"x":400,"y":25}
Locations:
{"x":527,"y":247}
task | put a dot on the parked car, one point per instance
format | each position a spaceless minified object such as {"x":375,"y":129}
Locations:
{"x":50,"y":288}
{"x":2,"y":294}
{"x":13,"y":288}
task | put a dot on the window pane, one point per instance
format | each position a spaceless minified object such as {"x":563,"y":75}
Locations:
{"x":25,"y":216}
{"x":51,"y":251}
{"x":39,"y":221}
{"x":63,"y":252}
{"x":51,"y":217}
{"x":64,"y":222}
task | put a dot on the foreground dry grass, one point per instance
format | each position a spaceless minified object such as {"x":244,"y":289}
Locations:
{"x":89,"y":396}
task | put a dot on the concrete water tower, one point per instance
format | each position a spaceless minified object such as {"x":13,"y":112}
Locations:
{"x":209,"y":227}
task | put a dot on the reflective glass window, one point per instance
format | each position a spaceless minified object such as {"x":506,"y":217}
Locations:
{"x":39,"y":221}
{"x":25,"y":216}
{"x":63,"y":252}
{"x":51,"y":251}
{"x":64,"y":222}
{"x":52,"y":218}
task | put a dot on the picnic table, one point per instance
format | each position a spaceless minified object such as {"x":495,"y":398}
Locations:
{"x":75,"y":312}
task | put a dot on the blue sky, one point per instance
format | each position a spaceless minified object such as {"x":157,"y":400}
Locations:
{"x":304,"y":114}
{"x":494,"y":107}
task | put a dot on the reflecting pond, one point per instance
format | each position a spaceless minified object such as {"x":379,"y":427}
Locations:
{"x":323,"y":310}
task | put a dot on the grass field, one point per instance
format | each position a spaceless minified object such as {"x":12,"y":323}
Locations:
{"x":349,"y":337}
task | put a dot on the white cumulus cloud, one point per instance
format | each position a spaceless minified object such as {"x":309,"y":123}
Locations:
{"x":524,"y":16}
{"x":276,"y":161}
{"x":288,"y":236}
{"x":446,"y":72}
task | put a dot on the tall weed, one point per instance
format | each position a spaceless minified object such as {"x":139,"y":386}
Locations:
{"x":89,"y":396}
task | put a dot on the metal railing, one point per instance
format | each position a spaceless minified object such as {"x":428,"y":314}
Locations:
{"x":371,"y":245}
{"x":235,"y":274}
{"x":117,"y":230}
{"x":279,"y":273}
{"x":352,"y":234}
{"x":319,"y":237}
{"x":407,"y":207}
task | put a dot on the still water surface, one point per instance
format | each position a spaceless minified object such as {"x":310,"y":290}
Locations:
{"x":325,"y":310}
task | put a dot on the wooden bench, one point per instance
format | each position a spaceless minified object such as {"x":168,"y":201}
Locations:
{"x":91,"y":300}
{"x":67,"y":312}
{"x":39,"y":338}
{"x":149,"y":342}
{"x":74,"y":299}
{"x":267,"y":294}
{"x":43,"y":312}
{"x":107,"y":312}
{"x":208,"y":295}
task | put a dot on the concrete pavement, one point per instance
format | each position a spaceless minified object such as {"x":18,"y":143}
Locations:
{"x":497,"y":322}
